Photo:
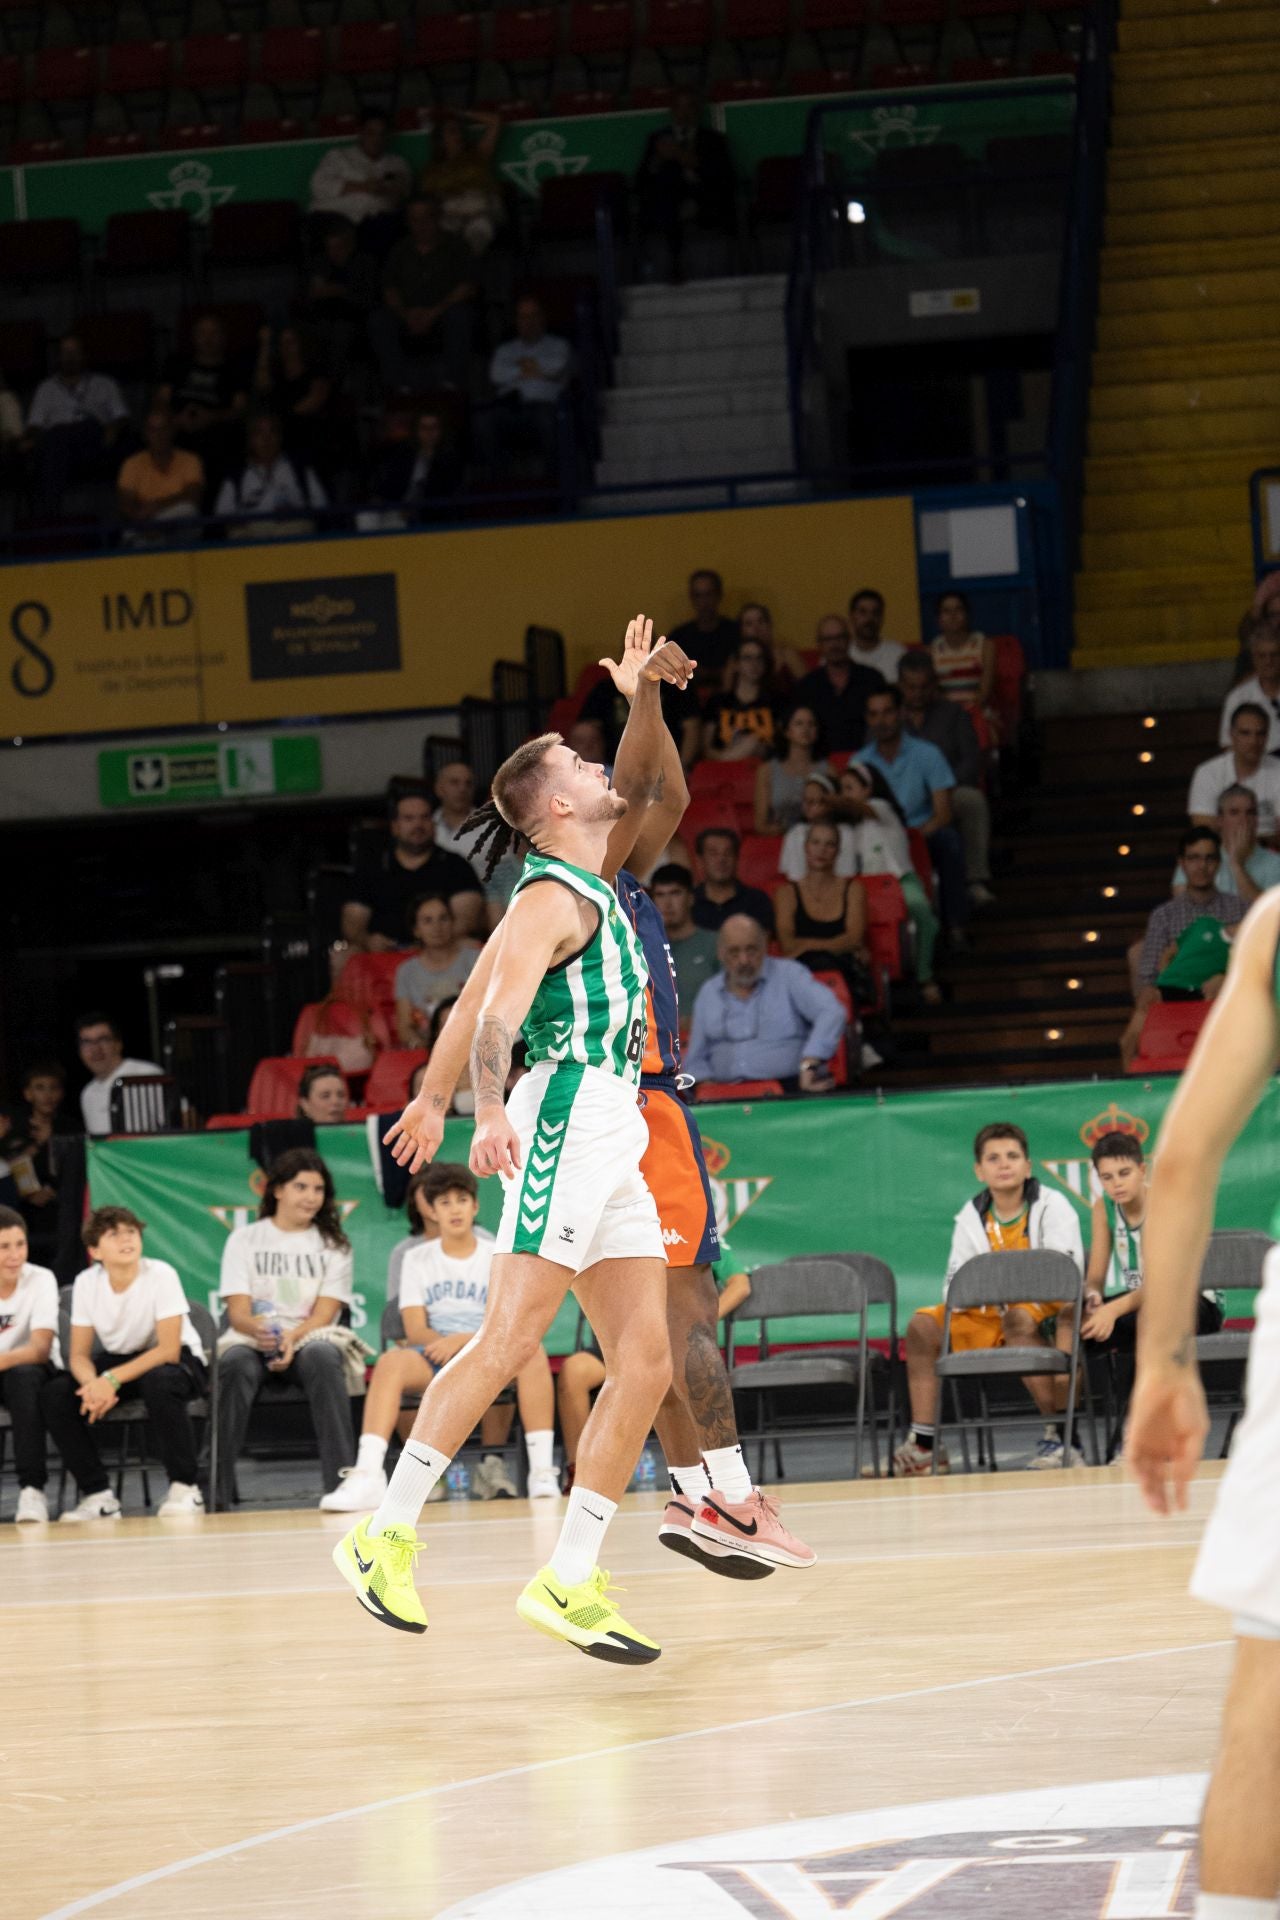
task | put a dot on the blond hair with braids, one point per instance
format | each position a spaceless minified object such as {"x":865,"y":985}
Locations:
{"x":513,"y":812}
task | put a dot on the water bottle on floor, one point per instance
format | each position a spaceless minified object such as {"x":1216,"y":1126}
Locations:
{"x":459,"y":1479}
{"x":645,"y":1477}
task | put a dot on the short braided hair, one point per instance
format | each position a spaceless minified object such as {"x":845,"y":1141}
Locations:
{"x":502,"y":822}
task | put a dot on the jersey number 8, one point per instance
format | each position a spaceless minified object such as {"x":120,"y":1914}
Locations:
{"x":635,"y":1045}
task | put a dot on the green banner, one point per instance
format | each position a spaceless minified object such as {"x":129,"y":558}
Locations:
{"x":883,"y":1176}
{"x":161,"y":775}
{"x":532,"y":151}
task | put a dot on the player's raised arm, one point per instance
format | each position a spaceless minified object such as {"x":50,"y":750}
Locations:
{"x":647,"y":771}
{"x":544,"y":924}
{"x":1233,"y":1059}
{"x":415,"y":1137}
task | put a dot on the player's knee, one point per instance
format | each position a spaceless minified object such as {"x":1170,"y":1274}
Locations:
{"x":516,"y":1352}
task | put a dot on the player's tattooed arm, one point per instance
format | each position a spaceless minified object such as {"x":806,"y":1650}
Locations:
{"x":491,"y":1051}
{"x":1184,"y":1353}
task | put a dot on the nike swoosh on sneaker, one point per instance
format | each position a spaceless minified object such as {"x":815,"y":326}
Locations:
{"x":562,"y":1604}
{"x":740,"y":1526}
{"x":365,"y":1566}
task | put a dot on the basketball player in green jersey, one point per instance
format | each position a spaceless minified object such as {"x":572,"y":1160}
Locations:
{"x":1239,"y":1563}
{"x":569,"y":970}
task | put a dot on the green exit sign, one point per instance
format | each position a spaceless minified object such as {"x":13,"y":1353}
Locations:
{"x":240,"y":767}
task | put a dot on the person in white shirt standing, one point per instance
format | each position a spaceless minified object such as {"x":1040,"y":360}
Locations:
{"x":867,"y":644}
{"x":528,"y":374}
{"x":365,"y":183}
{"x":285,"y":1279}
{"x":443,"y":1291}
{"x":73,"y":425}
{"x":130,"y":1329}
{"x":28,"y":1357}
{"x":101,"y":1047}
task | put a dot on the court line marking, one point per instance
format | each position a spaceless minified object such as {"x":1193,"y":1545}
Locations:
{"x":87,"y":1902}
{"x":651,"y":1568}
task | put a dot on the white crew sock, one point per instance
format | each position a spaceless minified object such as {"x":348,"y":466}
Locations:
{"x":692,"y":1482}
{"x":1232,"y":1906}
{"x":372,"y":1453}
{"x":538,"y":1446}
{"x":728,"y":1472}
{"x":581,"y":1536}
{"x":417,"y":1471}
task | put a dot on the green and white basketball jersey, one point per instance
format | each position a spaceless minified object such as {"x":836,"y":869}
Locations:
{"x":590,"y":1009}
{"x":1125,"y":1273}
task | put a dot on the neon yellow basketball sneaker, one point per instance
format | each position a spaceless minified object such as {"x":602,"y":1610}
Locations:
{"x":586,"y":1617}
{"x":381,"y":1571}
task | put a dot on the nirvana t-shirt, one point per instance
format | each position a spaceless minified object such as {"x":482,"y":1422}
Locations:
{"x":32,"y":1307}
{"x":125,"y":1322}
{"x":453,"y":1291}
{"x":730,"y":716}
{"x":288,"y":1270}
{"x":389,"y":889}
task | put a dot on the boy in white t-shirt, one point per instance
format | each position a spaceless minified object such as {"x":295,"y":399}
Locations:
{"x":284,"y":1277}
{"x":444,"y":1288}
{"x":28,"y":1356}
{"x":129,"y":1330}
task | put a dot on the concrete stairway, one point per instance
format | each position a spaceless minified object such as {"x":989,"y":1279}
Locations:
{"x":700,"y":384}
{"x":1185,"y":401}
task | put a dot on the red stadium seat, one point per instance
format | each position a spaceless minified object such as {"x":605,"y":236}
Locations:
{"x":758,"y":861}
{"x":920,"y":859}
{"x":206,"y":133}
{"x":680,"y":23}
{"x":1169,"y":1033}
{"x":223,"y":1122}
{"x":273,"y":1090}
{"x":839,"y":1061}
{"x":369,"y":46}
{"x":886,"y":917}
{"x":138,"y":66}
{"x":600,"y":27}
{"x":739,"y":1089}
{"x":744,"y":87}
{"x":524,"y":35}
{"x":735,"y":779}
{"x":10,"y":78}
{"x":755,"y":19}
{"x":333,"y":1019}
{"x":387,"y":1087}
{"x":833,"y":16}
{"x":64,"y":73}
{"x":447,"y":39}
{"x":1011,"y":676}
{"x":975,"y":70}
{"x":270,"y":133}
{"x":368,"y":982}
{"x":114,"y":146}
{"x":215,"y":62}
{"x":822,"y":80}
{"x":905,"y":76}
{"x":585,"y":100}
{"x":709,"y":810}
{"x":291,"y":57}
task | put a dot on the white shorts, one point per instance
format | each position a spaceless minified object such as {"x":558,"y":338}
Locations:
{"x":579,"y":1196}
{"x":1239,"y":1563}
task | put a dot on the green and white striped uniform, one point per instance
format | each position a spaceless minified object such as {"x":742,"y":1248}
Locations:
{"x":590,"y":1009}
{"x":579,"y":1196}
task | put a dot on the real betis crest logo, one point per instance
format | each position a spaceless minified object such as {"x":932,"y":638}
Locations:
{"x":1076,"y":1174}
{"x":733,"y":1197}
{"x":544,"y":157}
{"x":191,"y":186}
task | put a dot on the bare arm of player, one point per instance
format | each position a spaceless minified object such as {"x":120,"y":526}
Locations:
{"x":415,"y":1137}
{"x":1233,"y":1060}
{"x":647,"y":772}
{"x":544,"y":924}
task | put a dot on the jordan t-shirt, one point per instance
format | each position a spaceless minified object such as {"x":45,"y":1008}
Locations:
{"x":453,"y":1291}
{"x":125,"y":1321}
{"x":32,"y":1307}
{"x":287,"y":1271}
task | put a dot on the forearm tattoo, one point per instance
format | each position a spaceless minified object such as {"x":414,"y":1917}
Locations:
{"x":490,"y":1060}
{"x":707,"y":1387}
{"x":1182,"y":1353}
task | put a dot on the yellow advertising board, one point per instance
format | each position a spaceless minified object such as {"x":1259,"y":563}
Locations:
{"x":292,"y":629}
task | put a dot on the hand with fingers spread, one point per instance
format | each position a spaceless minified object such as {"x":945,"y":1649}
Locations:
{"x":1164,"y":1441}
{"x":639,"y":656}
{"x":415,"y":1137}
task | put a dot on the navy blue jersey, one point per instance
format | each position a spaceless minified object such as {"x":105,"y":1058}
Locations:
{"x":662,"y":1041}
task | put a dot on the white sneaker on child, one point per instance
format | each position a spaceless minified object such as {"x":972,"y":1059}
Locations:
{"x":359,"y":1490}
{"x":32,"y":1505}
{"x":94,"y":1506}
{"x":544,"y":1483}
{"x":180,"y":1498}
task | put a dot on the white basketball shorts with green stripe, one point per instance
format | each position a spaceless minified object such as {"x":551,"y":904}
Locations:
{"x":579,"y":1195}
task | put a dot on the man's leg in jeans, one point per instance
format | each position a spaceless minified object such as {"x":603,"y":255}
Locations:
{"x":947,"y":854}
{"x":242,"y":1373}
{"x":322,"y":1375}
{"x":973,"y":818}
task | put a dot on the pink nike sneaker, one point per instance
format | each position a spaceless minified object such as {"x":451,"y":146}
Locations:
{"x":753,"y":1526}
{"x":719,"y":1556}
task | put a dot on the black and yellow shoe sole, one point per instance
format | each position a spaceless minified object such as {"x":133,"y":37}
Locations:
{"x":615,"y":1647}
{"x":370,"y":1601}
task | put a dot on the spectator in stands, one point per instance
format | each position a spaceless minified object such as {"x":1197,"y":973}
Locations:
{"x":744,"y":723}
{"x":755,"y":622}
{"x":693,"y":948}
{"x":1266,"y":600}
{"x":101,"y":1048}
{"x":285,"y":1280}
{"x":881,"y":846}
{"x":322,"y":1101}
{"x":461,"y":176}
{"x":437,"y":971}
{"x":1246,"y":868}
{"x":822,"y":919}
{"x":414,"y":477}
{"x":720,"y":893}
{"x":528,"y":375}
{"x":35,"y":1156}
{"x":209,"y":400}
{"x":686,"y":176}
{"x":763,"y":1019}
{"x":374,"y":919}
{"x":454,"y":791}
{"x":710,"y":637}
{"x":322,"y":1096}
{"x":28,"y":1357}
{"x":290,"y":382}
{"x":1011,"y":1213}
{"x":269,"y":498}
{"x":1262,"y":688}
{"x":820,"y":802}
{"x":921,"y":782}
{"x":343,"y":287}
{"x":927,"y":716}
{"x":365,"y":183}
{"x":160,"y":490}
{"x":867,"y":644}
{"x":428,"y":285}
{"x":838,"y":688}
{"x":74,"y":427}
{"x":442,"y":1293}
{"x":1203,"y":967}
{"x":129,"y":1328}
{"x":587,"y":738}
{"x":963,"y":659}
{"x":781,"y":780}
{"x":1246,"y":763}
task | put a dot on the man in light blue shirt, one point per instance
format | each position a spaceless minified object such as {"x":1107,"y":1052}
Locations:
{"x":763,"y":1019}
{"x":528,"y":374}
{"x":921,"y":780}
{"x":1246,"y":868}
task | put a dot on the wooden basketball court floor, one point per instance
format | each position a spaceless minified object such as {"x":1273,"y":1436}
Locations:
{"x":198,"y":1719}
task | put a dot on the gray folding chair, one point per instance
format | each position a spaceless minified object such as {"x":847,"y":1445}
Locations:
{"x":1004,"y":1280}
{"x":829,"y":1287}
{"x":1233,"y":1262}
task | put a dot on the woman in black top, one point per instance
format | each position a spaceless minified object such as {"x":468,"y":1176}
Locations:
{"x":822,"y":921}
